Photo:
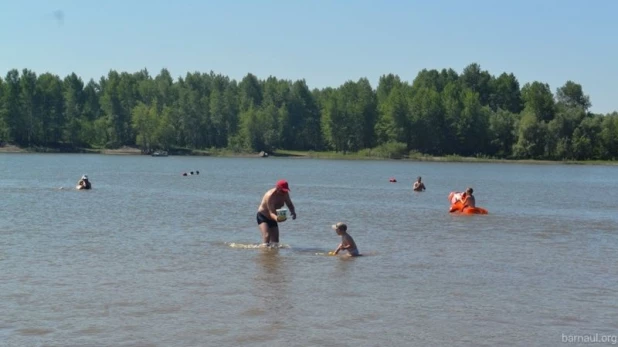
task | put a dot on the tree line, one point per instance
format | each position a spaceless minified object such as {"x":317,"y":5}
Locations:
{"x":440,"y":113}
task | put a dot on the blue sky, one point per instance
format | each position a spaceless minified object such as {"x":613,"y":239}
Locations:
{"x":324,"y":42}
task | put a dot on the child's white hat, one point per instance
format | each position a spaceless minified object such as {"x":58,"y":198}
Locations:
{"x":340,"y":225}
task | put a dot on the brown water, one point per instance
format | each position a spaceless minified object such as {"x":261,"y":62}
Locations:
{"x":152,"y":258}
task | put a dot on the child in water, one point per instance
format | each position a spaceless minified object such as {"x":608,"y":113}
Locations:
{"x":347,"y":242}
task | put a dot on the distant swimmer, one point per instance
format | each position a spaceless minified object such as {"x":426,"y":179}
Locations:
{"x":267,"y":218}
{"x":418,"y":185}
{"x":347,"y":242}
{"x":84,"y":183}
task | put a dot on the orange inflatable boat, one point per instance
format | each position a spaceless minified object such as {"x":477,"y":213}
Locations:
{"x":457,"y":205}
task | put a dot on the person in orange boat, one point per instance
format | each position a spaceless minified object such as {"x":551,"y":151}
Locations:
{"x":468,"y":199}
{"x":465,"y":203}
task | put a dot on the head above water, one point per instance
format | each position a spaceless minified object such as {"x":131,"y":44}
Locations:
{"x":282,"y":185}
{"x":340,"y":226}
{"x":85,"y":177}
{"x":418,"y":178}
{"x":469,"y":190}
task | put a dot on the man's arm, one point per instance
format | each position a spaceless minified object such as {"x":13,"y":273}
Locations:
{"x":288,"y":202}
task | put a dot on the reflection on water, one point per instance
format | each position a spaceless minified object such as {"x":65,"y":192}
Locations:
{"x":167,"y":260}
{"x":341,"y":270}
{"x":271,"y":288}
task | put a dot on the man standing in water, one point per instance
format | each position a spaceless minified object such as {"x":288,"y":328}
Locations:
{"x":418,"y":185}
{"x":267,"y":218}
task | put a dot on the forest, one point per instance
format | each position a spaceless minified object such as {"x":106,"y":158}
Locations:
{"x":440,"y":113}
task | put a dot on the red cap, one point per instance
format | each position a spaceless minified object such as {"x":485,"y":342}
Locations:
{"x":283,"y":185}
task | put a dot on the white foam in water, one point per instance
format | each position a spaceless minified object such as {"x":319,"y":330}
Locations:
{"x":244,"y":245}
{"x":255,"y":245}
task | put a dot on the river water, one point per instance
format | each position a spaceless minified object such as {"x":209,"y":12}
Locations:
{"x":149,"y":257}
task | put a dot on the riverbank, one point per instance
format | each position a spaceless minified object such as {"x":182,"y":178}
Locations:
{"x":126,"y":150}
{"x":16,"y":149}
{"x":429,"y":158}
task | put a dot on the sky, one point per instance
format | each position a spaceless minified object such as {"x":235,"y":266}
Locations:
{"x":324,"y":42}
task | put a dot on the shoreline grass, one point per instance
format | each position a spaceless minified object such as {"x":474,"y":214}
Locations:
{"x":361,"y":155}
{"x":429,"y":158}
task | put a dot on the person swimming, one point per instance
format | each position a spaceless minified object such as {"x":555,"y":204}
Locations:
{"x":418,"y":185}
{"x":84,"y":183}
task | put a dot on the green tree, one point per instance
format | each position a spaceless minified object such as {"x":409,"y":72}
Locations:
{"x":538,"y":99}
{"x":478,"y":81}
{"x":474,"y":123}
{"x":301,"y":119}
{"x":506,"y":94}
{"x":249,"y":136}
{"x":428,"y":79}
{"x":531,"y":137}
{"x":426,"y":121}
{"x":231,"y":104}
{"x":250,"y":92}
{"x":572,"y":95}
{"x":441,"y":112}
{"x":502,"y":135}
{"x":4,"y":131}
{"x":586,"y":139}
{"x":51,"y":108}
{"x":386,"y":84}
{"x":337,"y":128}
{"x":74,"y":103}
{"x":165,"y":92}
{"x":366,"y":101}
{"x":145,"y":121}
{"x":14,"y":118}
{"x":560,"y":130}
{"x":394,"y":124}
{"x":609,"y":137}
{"x":112,"y":106}
{"x":29,"y":107}
{"x":454,"y":133}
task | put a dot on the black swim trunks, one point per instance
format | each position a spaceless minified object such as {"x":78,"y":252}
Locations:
{"x":263,"y":219}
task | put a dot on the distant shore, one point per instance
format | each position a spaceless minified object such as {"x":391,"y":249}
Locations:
{"x":429,"y":158}
{"x":126,"y":150}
